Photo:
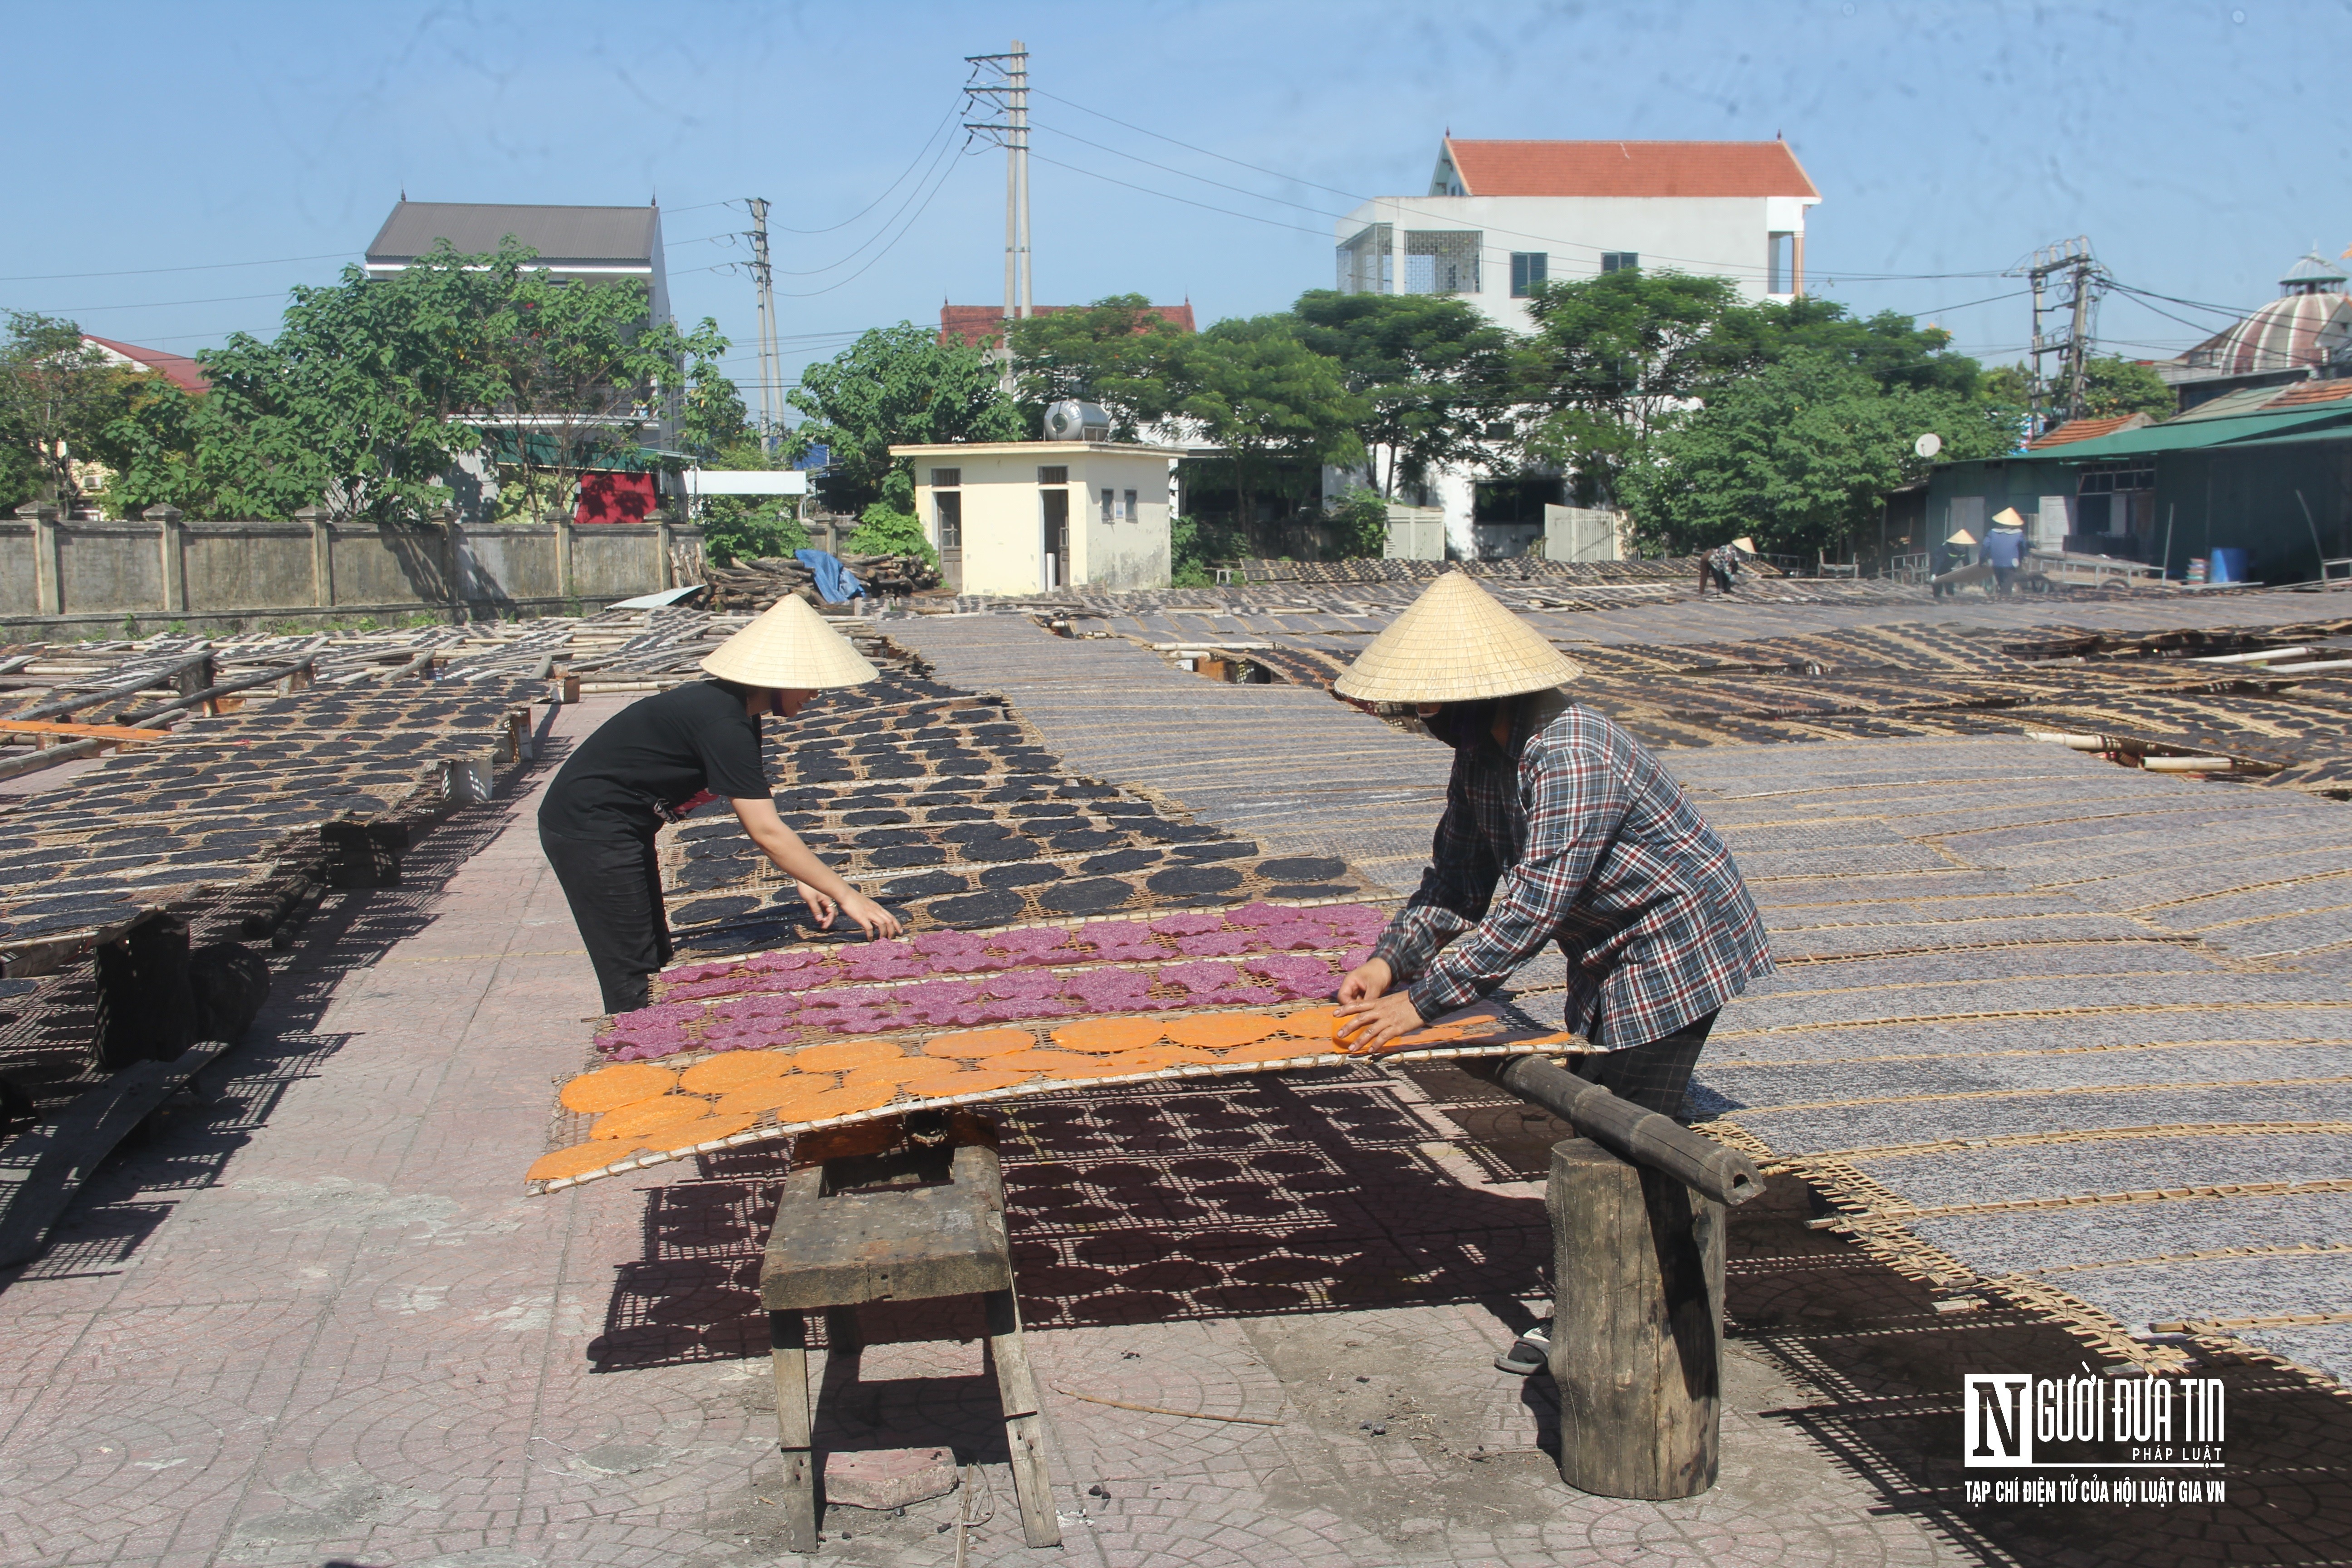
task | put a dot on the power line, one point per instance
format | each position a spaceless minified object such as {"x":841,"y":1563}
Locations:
{"x":1169,"y":196}
{"x":903,"y":230}
{"x":157,"y":304}
{"x":894,"y":185}
{"x":151,"y":271}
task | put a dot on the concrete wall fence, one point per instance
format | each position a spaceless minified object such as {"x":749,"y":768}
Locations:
{"x":55,"y":574}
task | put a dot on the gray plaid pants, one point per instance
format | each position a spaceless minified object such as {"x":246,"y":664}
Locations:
{"x":1653,"y":1076}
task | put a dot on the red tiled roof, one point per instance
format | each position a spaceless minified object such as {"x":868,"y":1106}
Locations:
{"x":2312,"y":392}
{"x":2088,"y":430}
{"x":178,"y":369}
{"x":1629,"y":169}
{"x":976,"y":323}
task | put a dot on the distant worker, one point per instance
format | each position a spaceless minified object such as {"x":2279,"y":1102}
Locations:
{"x":1723,"y":564}
{"x":1947,"y":558}
{"x":2005,"y":547}
{"x":662,"y":756}
{"x":1562,"y":828}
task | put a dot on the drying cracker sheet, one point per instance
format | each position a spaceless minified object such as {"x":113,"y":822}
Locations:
{"x":631,"y":1114}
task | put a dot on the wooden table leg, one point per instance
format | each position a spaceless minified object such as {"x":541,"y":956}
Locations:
{"x":796,"y":1427}
{"x":1024,"y":1427}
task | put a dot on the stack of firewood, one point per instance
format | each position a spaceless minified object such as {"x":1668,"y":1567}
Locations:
{"x":892,"y":574}
{"x":756,"y":585}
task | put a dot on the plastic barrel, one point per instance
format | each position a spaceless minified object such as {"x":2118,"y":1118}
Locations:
{"x":2229,"y":565}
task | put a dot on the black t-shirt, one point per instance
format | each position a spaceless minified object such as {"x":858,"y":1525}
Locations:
{"x":652,"y":757}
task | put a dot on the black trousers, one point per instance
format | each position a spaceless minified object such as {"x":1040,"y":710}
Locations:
{"x":1708,"y":569}
{"x":613,"y":885}
{"x":1653,"y":1076}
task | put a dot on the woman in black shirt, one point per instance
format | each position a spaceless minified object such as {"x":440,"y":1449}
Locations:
{"x":658,"y":759}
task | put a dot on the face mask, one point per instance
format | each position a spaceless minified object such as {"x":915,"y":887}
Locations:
{"x":1460,"y":724}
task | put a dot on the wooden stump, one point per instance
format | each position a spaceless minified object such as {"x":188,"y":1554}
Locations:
{"x":1637,"y":1335}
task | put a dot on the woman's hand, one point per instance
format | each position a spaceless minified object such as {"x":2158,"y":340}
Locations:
{"x":1369,"y":1016}
{"x":869,"y":916}
{"x":820,"y":906}
{"x":1366,"y":1028}
{"x":1366,"y":981}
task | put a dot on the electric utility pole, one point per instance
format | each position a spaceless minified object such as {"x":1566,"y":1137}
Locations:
{"x":765,"y":280}
{"x":999,"y":85}
{"x":2058,"y":398}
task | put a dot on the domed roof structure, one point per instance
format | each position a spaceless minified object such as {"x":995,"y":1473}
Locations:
{"x":2308,"y":327}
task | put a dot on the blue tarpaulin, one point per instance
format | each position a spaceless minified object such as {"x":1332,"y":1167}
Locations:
{"x":835,"y":585}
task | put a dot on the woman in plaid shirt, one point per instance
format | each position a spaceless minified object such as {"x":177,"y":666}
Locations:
{"x":1559,"y":827}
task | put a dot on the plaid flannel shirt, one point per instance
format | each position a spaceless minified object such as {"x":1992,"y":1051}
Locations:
{"x":1571,"y":832}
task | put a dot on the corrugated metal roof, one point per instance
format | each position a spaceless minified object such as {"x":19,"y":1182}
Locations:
{"x":588,"y":237}
{"x":2180,"y":435}
{"x":2076,"y":430}
{"x":1629,"y":169}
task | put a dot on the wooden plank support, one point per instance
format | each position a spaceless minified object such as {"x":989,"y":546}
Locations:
{"x":118,"y":732}
{"x":795,"y":1425}
{"x":1659,"y":1142}
{"x":42,"y":1169}
{"x":1637,"y":1326}
{"x":1025,"y":1425}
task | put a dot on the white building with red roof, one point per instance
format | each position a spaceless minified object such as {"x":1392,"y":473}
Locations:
{"x":1500,"y":217}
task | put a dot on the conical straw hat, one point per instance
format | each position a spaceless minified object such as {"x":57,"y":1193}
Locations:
{"x":2007,"y":516}
{"x":789,"y":649}
{"x":1745,"y":545}
{"x":1963,"y":537}
{"x":1455,"y":644}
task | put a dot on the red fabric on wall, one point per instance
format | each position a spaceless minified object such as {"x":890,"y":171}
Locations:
{"x":616,"y":498}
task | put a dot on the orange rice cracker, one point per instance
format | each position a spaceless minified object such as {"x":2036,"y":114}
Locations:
{"x":609,"y":1089}
{"x":972,"y":1080}
{"x":1101,"y":1036}
{"x":892,"y":1073}
{"x":847,"y":1101}
{"x":1152,"y":1058}
{"x":1280,"y":1049}
{"x":582,"y":1158}
{"x":979,"y":1044}
{"x":650,"y":1118}
{"x":1320,"y":1023}
{"x":835,"y":1054}
{"x":785,"y":1095}
{"x":1219,"y":1031}
{"x":709,"y":1129}
{"x":1053,"y":1064}
{"x":733,"y":1070}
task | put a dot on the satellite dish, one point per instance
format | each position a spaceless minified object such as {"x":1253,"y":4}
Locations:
{"x":1927,"y":446}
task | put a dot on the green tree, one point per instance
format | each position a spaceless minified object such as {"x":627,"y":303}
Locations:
{"x":1429,"y":370}
{"x":1798,"y":453}
{"x":895,"y":385}
{"x":1263,"y":396}
{"x":2113,"y":385}
{"x":57,"y":395}
{"x":883,"y":530}
{"x":375,"y":386}
{"x":746,"y":528}
{"x":1612,"y":356}
{"x":563,"y":376}
{"x":1119,"y":352}
{"x":1890,"y":347}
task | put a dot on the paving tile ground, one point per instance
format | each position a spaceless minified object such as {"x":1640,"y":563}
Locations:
{"x":315,"y":1320}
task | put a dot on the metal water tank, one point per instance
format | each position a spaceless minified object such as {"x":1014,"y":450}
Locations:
{"x":1070,"y":420}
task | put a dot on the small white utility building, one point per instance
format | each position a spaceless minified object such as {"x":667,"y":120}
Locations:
{"x":1501,"y":216}
{"x":1016,"y":517}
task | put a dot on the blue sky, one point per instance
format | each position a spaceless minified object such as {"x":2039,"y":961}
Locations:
{"x":2200,"y":147}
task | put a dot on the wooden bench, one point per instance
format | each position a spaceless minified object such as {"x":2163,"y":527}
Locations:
{"x":907,"y":1224}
